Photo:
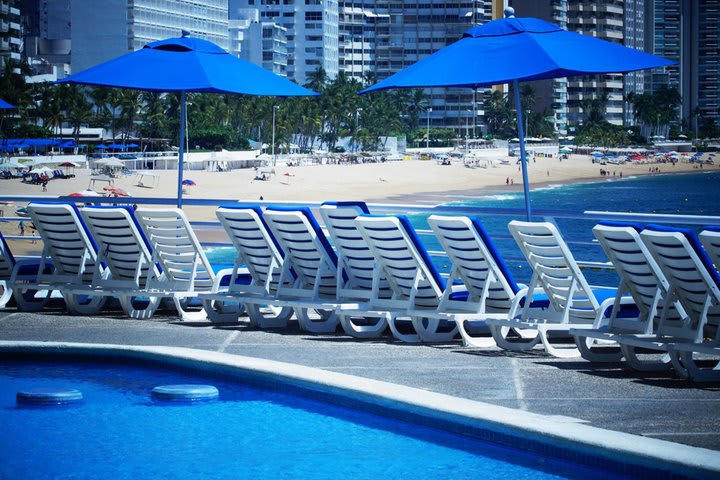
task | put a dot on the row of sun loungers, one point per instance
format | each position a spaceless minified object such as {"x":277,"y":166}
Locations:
{"x":371,"y":273}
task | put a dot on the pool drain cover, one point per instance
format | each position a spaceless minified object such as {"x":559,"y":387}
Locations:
{"x":187,"y":393}
{"x":49,"y":396}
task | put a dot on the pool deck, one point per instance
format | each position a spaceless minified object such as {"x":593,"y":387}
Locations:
{"x":609,"y":396}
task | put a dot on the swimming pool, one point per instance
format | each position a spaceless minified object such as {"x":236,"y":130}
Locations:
{"x":253,"y":431}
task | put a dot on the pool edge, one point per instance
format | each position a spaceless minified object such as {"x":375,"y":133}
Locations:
{"x":585,"y":440}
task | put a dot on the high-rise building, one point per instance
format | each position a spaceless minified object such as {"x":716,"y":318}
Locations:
{"x":10,"y":33}
{"x":704,"y":100}
{"x":262,"y":43}
{"x":102,"y":31}
{"x":311,"y":32}
{"x":634,"y":38}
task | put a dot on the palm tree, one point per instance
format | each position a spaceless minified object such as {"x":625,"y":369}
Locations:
{"x":79,"y":109}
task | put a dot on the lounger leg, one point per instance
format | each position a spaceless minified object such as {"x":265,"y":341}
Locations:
{"x":6,"y":295}
{"x":267,"y":316}
{"x":568,"y":351}
{"x":601,"y":351}
{"x":139,"y":309}
{"x":30,"y":300}
{"x":404,"y":337}
{"x":500,"y":335}
{"x":84,"y":304}
{"x":686,"y":367}
{"x":359,"y":326}
{"x":316,"y":320}
{"x":181,"y":305}
{"x":219,"y":311}
{"x":635,"y":363}
{"x":431,"y":329}
{"x":474,"y":341}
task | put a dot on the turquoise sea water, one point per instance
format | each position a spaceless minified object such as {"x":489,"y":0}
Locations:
{"x":119,"y":432}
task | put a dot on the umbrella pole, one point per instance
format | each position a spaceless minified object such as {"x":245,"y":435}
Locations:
{"x":181,"y":151}
{"x":523,"y":158}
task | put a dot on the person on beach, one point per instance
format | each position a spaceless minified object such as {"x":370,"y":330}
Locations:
{"x":22,"y":228}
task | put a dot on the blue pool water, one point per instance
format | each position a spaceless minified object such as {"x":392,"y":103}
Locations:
{"x":119,"y":432}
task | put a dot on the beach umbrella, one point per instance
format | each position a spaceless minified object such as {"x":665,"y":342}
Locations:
{"x":100,"y":147}
{"x":189,"y":183}
{"x":513,"y":50}
{"x":5,"y":105}
{"x":183,"y":65}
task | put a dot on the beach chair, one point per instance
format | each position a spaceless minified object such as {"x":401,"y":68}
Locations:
{"x":631,"y":329}
{"x":413,"y":278}
{"x":187,"y":271}
{"x":710,"y":240}
{"x":355,"y":269}
{"x":256,"y":249}
{"x":695,"y":284}
{"x":14,"y":273}
{"x":312,"y":261}
{"x":573,"y":303}
{"x":70,"y":246}
{"x":123,"y":250}
{"x":492,"y":290}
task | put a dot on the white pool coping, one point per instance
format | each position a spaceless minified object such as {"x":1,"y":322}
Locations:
{"x":554,"y":431}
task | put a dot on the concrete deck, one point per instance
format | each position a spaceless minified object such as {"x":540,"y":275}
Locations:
{"x":609,"y":396}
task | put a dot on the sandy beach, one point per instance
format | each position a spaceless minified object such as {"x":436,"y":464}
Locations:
{"x":390,"y":182}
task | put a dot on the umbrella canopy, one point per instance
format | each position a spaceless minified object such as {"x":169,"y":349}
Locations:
{"x":117,"y":146}
{"x":186,"y":65}
{"x":188,"y":182}
{"x":110,"y":162}
{"x":511,"y":50}
{"x":5,"y":105}
{"x":100,"y":147}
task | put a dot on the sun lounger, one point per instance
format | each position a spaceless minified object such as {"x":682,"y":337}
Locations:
{"x":573,"y":302}
{"x":413,"y":278}
{"x":492,"y":290}
{"x":14,"y":273}
{"x":695,"y":284}
{"x":710,"y":239}
{"x":311,"y":259}
{"x":68,"y":243}
{"x":187,"y":271}
{"x":643,"y":327}
{"x":355,"y":268}
{"x":258,"y":251}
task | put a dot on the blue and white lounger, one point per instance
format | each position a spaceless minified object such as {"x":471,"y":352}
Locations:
{"x":695,"y":283}
{"x":14,"y":273}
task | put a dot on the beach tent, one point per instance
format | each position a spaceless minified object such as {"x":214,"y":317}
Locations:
{"x":513,"y":50}
{"x":184,"y":65}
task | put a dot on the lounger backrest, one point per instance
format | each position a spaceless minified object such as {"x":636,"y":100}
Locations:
{"x":176,"y":248}
{"x":638,"y":271}
{"x":307,"y":250}
{"x":475,"y":259}
{"x":710,"y":239}
{"x":256,"y":247}
{"x":554,"y":268}
{"x":121,"y":243}
{"x":688,"y":269}
{"x":7,"y":261}
{"x":66,"y":240}
{"x":357,"y":261}
{"x":403,"y":259}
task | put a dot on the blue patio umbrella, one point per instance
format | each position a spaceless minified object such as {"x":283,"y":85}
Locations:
{"x":513,"y":50}
{"x":183,"y":65}
{"x":5,"y":105}
{"x":100,"y":147}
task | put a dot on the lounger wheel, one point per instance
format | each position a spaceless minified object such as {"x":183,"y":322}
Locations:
{"x":268,"y":316}
{"x":519,"y":342}
{"x":434,"y":330}
{"x":220,"y":311}
{"x":30,"y":300}
{"x":360,"y":326}
{"x":84,"y":304}
{"x":317,"y":320}
{"x":138,"y":307}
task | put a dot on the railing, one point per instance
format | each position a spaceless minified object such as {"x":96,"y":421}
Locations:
{"x":575,"y":225}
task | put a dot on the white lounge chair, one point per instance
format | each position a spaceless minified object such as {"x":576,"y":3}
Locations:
{"x":695,"y":283}
{"x":258,"y":251}
{"x":69,"y":245}
{"x":643,"y":327}
{"x":710,"y":239}
{"x":573,"y":302}
{"x":184,"y":265}
{"x":311,"y":259}
{"x":134,"y":279}
{"x":492,"y":290}
{"x":355,"y":268}
{"x":413,"y":278}
{"x":14,"y":273}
